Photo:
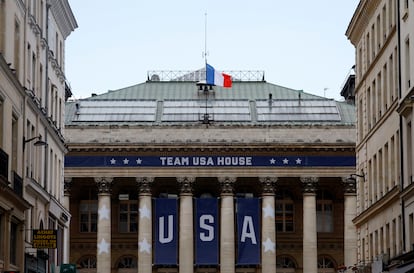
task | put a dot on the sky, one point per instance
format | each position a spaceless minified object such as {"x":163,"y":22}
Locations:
{"x":298,"y":44}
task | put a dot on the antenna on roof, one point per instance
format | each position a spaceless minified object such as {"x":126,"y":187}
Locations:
{"x":205,"y":53}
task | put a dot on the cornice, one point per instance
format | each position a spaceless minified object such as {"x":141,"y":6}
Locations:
{"x":377,"y":207}
{"x":408,"y":192}
{"x":64,"y":16}
{"x":208,"y":148}
{"x":361,"y":19}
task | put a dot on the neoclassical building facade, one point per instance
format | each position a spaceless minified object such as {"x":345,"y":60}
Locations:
{"x":175,"y":176}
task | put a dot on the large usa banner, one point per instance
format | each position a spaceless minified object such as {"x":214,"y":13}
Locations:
{"x":206,"y":231}
{"x":166,"y":231}
{"x":248,"y":231}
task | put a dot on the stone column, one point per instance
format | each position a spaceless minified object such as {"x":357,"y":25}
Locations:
{"x":350,"y":231}
{"x":227,"y":242}
{"x":103,"y":256}
{"x":186,"y":233}
{"x":67,"y":187}
{"x":310,"y":242}
{"x":268,"y":224}
{"x":144,"y":224}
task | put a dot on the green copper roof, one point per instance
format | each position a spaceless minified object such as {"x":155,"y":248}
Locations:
{"x":171,"y":102}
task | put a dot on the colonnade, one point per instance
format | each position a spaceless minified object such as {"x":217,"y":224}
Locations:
{"x":227,"y":225}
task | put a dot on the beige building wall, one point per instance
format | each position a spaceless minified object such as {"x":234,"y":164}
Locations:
{"x":381,"y":32}
{"x":33,"y":91}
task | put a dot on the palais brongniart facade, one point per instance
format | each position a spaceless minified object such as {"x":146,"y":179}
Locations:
{"x":172,"y":175}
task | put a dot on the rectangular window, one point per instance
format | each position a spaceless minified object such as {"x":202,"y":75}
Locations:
{"x":88,"y":215}
{"x":284,"y":215}
{"x":368,"y":40}
{"x":385,"y":87}
{"x":16,"y":57}
{"x":409,"y":155}
{"x":2,"y":133}
{"x":324,"y":216}
{"x":384,"y":22}
{"x":411,"y":231}
{"x":379,"y":38}
{"x":128,"y":216}
{"x":407,"y":64}
{"x":60,"y":245}
{"x":13,"y":243}
{"x":379,"y":94}
{"x":390,"y":14}
{"x":2,"y":233}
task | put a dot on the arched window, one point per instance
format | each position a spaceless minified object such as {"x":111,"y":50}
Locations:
{"x":284,"y":213}
{"x":324,"y":212}
{"x":326,"y":265}
{"x":87,"y":262}
{"x":285,"y":264}
{"x":127,"y":262}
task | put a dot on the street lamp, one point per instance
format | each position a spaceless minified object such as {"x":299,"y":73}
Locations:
{"x":39,"y":141}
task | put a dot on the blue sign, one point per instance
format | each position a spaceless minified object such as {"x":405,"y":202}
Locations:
{"x":166,"y":231}
{"x":206,"y":228}
{"x":208,"y":161}
{"x":248,"y":231}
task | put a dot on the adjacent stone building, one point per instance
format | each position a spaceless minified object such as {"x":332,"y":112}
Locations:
{"x":33,"y":90}
{"x":381,"y":31}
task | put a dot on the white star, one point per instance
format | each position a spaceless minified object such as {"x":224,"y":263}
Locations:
{"x":272,"y":161}
{"x":269,"y":211}
{"x":126,"y":161}
{"x":268,"y":245}
{"x":103,"y":247}
{"x":103,"y":213}
{"x":139,"y":161}
{"x":298,"y":161}
{"x":144,"y":246}
{"x":144,"y":212}
{"x":113,"y":161}
{"x":285,"y":161}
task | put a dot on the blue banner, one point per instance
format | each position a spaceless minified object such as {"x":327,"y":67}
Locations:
{"x":206,"y":228}
{"x":166,"y":231}
{"x":276,"y":161}
{"x":248,"y":231}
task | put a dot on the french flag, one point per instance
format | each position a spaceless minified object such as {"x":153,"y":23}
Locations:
{"x":215,"y":77}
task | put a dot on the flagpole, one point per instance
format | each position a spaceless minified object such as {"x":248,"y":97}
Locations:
{"x":205,"y":37}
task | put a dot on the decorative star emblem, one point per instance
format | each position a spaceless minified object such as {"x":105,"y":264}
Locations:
{"x":285,"y":161}
{"x":272,"y":161}
{"x":113,"y":161}
{"x":144,"y":246}
{"x":103,"y":213}
{"x":103,"y":247}
{"x":144,"y":212}
{"x":126,"y":161}
{"x":298,"y":161}
{"x":269,"y":211}
{"x":268,"y":245}
{"x":139,"y":161}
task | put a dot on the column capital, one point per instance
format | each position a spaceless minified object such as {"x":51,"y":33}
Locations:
{"x":144,"y":185}
{"x":227,"y":185}
{"x":67,"y":185}
{"x":268,"y":184}
{"x":349,"y":185}
{"x":186,"y":184}
{"x":309,"y":184}
{"x":104,"y":184}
